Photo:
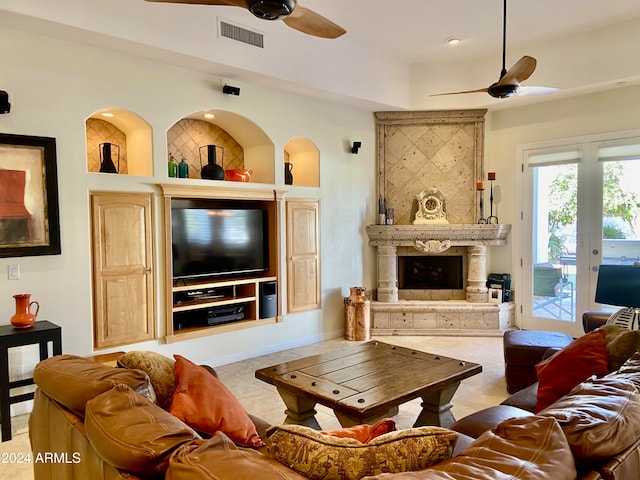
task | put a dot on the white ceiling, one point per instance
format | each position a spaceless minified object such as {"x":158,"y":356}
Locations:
{"x":415,"y":30}
{"x":393,"y":55}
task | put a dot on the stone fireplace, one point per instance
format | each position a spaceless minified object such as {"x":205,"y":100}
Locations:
{"x":432,"y":275}
{"x":447,"y":273}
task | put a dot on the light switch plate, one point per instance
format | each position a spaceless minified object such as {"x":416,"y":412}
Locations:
{"x":14,"y":272}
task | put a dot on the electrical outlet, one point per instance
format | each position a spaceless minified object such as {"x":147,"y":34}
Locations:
{"x":14,"y":272}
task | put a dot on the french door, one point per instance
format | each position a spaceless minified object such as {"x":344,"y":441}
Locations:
{"x":580,"y":209}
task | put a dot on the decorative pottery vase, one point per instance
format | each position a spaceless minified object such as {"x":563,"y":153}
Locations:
{"x":288,"y":175}
{"x":106,"y":163}
{"x":212,"y":171}
{"x":23,"y":317}
{"x":183,"y":169}
{"x":239,"y":175}
{"x":173,"y":167}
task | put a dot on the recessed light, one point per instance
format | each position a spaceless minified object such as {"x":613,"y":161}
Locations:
{"x":108,"y":114}
{"x":453,"y":40}
{"x":209,"y":115}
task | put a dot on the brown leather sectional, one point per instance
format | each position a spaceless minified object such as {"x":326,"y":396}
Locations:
{"x":59,"y":424}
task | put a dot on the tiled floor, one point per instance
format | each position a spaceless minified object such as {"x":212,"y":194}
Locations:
{"x":262,"y":399}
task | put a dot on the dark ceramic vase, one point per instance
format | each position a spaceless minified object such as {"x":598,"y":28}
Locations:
{"x":212,"y":171}
{"x":288,"y":175}
{"x":106,"y":163}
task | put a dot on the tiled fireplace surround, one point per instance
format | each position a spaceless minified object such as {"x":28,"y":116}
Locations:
{"x":443,"y":150}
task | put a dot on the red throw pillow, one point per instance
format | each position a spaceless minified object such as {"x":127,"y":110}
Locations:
{"x":365,"y":433}
{"x":206,"y":405}
{"x":582,"y":358}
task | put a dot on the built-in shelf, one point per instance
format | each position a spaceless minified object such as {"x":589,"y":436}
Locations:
{"x":199,"y":302}
{"x":194,"y":303}
{"x":128,"y":140}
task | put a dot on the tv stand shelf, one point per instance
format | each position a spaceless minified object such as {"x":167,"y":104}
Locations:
{"x":195,"y":303}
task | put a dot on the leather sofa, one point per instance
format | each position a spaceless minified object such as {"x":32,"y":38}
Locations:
{"x":490,"y":442}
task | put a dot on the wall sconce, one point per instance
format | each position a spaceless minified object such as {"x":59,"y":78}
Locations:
{"x":356,"y":146}
{"x":5,"y":106}
{"x":229,"y":90}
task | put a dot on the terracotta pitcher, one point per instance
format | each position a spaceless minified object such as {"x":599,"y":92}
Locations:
{"x":23,"y":317}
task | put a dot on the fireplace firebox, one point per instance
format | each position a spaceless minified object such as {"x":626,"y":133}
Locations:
{"x":430,"y":272}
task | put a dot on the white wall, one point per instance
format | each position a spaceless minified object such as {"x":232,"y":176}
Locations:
{"x":54,"y":85}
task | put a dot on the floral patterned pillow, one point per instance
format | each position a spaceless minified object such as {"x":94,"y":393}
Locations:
{"x":318,"y":456}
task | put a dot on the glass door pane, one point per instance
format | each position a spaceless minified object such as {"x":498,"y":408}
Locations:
{"x":555,"y":193}
{"x":621,"y":212}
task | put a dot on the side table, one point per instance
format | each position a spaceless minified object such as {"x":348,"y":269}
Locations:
{"x":42,"y":333}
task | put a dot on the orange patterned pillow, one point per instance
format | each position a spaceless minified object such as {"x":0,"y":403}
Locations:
{"x":365,"y":433}
{"x":206,"y":405}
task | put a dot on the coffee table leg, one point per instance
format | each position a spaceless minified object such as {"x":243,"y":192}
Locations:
{"x":436,"y":407}
{"x":300,"y":410}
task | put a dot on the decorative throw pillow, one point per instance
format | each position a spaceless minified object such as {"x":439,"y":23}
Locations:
{"x":205,"y":404}
{"x":132,"y":433}
{"x":318,"y":456}
{"x":527,"y":448}
{"x":582,"y":358}
{"x":160,"y":371}
{"x":621,"y":343}
{"x":218,"y":458}
{"x":599,"y":417}
{"x":365,"y":433}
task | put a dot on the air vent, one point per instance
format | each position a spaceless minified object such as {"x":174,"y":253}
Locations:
{"x":240,"y":34}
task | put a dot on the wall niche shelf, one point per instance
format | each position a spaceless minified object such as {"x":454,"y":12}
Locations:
{"x":129,"y":141}
{"x":241,"y":144}
{"x":304,"y":158}
{"x":201,"y":306}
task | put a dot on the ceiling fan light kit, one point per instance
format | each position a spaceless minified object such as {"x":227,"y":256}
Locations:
{"x":502,"y":91}
{"x":271,"y":9}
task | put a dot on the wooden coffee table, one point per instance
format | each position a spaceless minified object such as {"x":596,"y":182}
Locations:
{"x":367,"y":382}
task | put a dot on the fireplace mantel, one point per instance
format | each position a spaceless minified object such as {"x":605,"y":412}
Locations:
{"x":434,"y":239}
{"x":458,"y":235}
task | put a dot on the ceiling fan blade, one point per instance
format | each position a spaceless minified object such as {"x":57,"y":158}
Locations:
{"x":479,"y":90}
{"x":530,"y":90}
{"x":517,"y":74}
{"x":312,"y":23}
{"x":233,"y":3}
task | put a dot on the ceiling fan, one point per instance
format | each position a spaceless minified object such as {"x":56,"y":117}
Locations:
{"x":294,"y":15}
{"x":509,"y":82}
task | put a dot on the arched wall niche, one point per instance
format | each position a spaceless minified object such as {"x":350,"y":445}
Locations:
{"x":303,"y":154}
{"x":246,"y":144}
{"x":129,"y":132}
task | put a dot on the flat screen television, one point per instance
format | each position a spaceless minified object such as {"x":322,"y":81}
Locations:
{"x":214,"y":238}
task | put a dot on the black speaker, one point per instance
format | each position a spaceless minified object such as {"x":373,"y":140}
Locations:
{"x":268,"y":300}
{"x":229,"y":90}
{"x":5,"y":106}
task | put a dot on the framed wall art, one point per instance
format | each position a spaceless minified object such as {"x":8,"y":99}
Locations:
{"x":29,"y":213}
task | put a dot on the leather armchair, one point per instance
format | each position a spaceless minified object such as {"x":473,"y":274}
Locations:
{"x":592,"y":319}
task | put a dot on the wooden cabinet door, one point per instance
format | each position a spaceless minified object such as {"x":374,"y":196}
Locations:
{"x":122,"y":277}
{"x":303,"y":255}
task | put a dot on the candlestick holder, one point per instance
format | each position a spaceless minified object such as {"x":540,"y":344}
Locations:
{"x":491,"y":217}
{"x":481,"y":204}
